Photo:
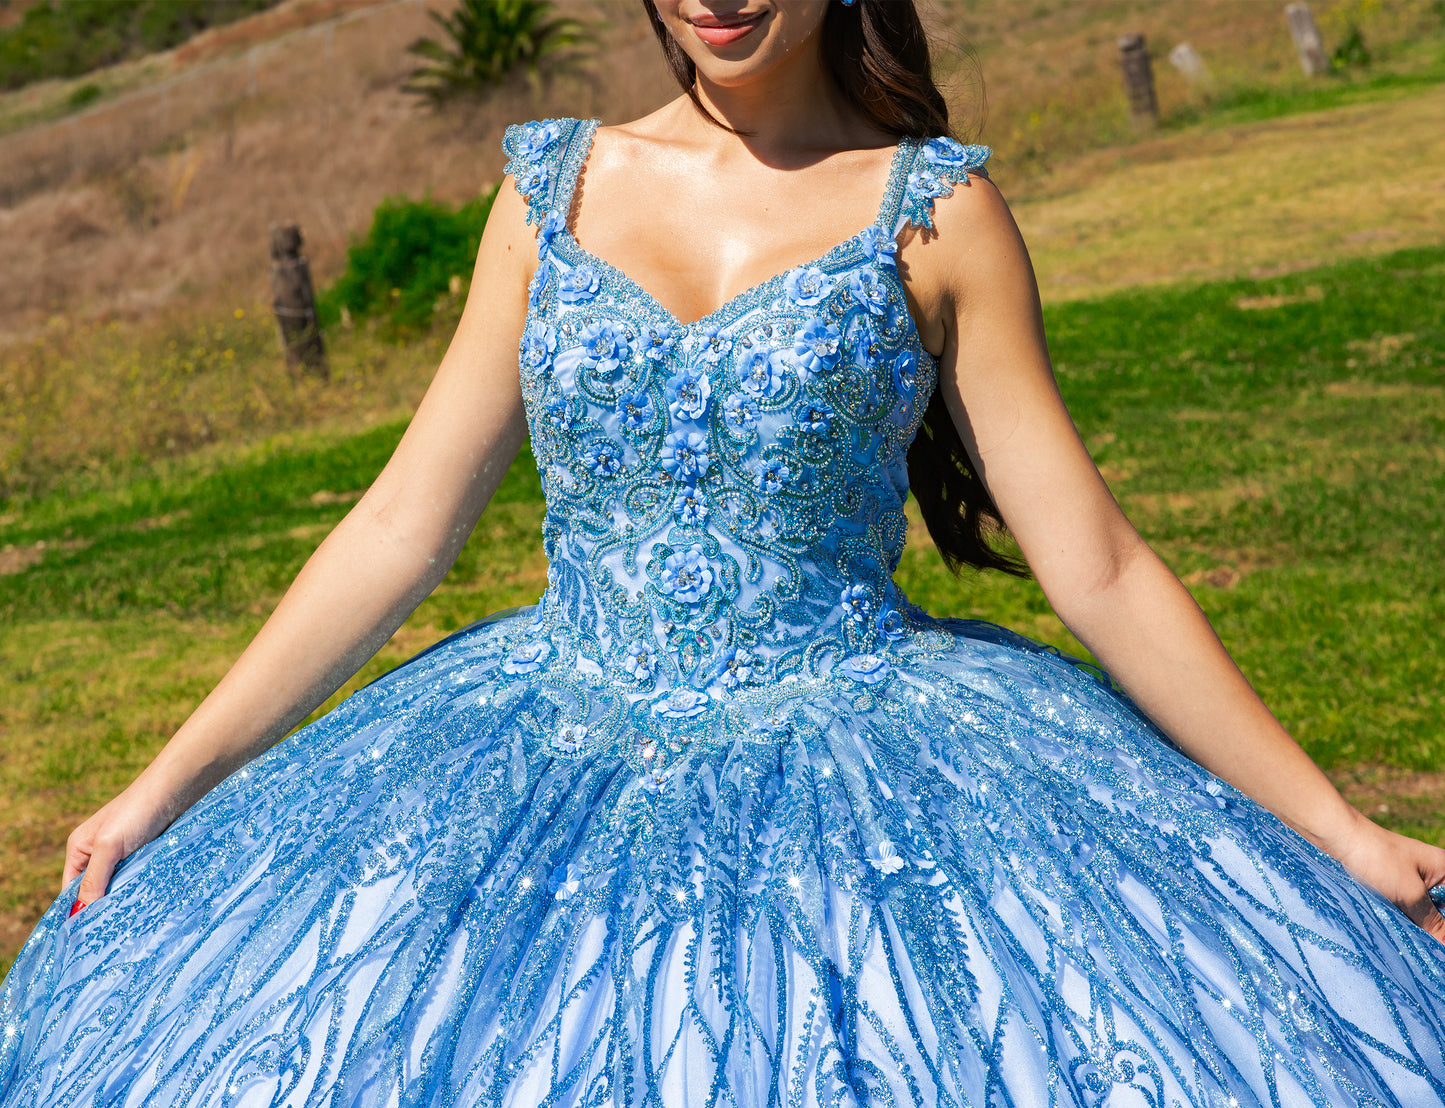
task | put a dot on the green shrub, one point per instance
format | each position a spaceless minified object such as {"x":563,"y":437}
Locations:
{"x":82,"y":95}
{"x":416,"y":253}
{"x":1352,"y":52}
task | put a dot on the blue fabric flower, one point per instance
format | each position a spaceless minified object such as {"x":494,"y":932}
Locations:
{"x":657,"y":341}
{"x":554,"y":223}
{"x":712,"y":343}
{"x":636,"y":410}
{"x":893,"y":625}
{"x":604,"y":346}
{"x":640,"y":660}
{"x":570,"y":737}
{"x":905,"y":371}
{"x":566,"y":880}
{"x":769,"y":474}
{"x":859,"y":602}
{"x":813,"y":416}
{"x":689,"y":506}
{"x":603,"y":458}
{"x":734,"y":667}
{"x":808,"y":285}
{"x":538,"y":344}
{"x":945,"y":151}
{"x":536,"y":137}
{"x":527,"y":657}
{"x":774,"y":726}
{"x":687,"y":575}
{"x":879,"y":246}
{"x":741,"y":413}
{"x":578,"y":285}
{"x":534,"y":181}
{"x":758,"y":371}
{"x":537,"y":285}
{"x":815,"y":347}
{"x":866,"y":669}
{"x":562,"y":412}
{"x":923,"y":182}
{"x":682,"y":704}
{"x":684,"y":455}
{"x":868,"y":290}
{"x":687,"y":394}
{"x":884,"y":857}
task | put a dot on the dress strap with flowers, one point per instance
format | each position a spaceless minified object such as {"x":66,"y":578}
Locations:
{"x":724,"y":820}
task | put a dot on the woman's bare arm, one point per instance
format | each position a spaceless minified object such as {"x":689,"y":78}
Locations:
{"x":368,"y":575}
{"x":1111,"y":590}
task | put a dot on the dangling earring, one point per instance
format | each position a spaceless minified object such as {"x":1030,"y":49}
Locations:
{"x":847,"y":3}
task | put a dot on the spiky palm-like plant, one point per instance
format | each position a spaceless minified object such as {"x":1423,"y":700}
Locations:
{"x":491,"y":39}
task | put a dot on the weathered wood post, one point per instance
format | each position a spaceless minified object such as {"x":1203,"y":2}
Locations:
{"x":294,"y":301}
{"x":1138,"y":81}
{"x":1307,"y":39}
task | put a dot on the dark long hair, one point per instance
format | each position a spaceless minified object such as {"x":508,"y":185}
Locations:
{"x":877,"y":52}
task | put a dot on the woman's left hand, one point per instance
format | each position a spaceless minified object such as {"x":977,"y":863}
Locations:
{"x":1402,"y":869}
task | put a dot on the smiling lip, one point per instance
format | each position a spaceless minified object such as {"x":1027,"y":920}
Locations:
{"x":724,"y":30}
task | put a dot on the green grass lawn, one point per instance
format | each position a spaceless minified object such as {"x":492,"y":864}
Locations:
{"x":1280,"y":442}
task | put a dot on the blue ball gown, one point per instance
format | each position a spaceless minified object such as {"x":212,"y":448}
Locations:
{"x":724,"y":820}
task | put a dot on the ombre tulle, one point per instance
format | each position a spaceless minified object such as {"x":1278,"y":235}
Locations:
{"x":724,"y":820}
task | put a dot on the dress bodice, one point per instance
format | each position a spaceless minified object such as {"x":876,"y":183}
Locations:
{"x":724,"y":497}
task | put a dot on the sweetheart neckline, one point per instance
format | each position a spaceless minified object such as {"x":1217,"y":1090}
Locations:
{"x":739,"y":300}
{"x":744,"y":297}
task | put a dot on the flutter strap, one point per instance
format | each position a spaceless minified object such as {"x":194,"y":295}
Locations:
{"x":938,"y":165}
{"x":535,"y":153}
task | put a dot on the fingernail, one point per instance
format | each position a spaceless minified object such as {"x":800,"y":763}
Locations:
{"x":77,"y":906}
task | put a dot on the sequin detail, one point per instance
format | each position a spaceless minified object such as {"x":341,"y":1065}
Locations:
{"x":724,"y":820}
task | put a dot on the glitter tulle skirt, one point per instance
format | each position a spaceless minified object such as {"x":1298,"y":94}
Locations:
{"x":980,"y":879}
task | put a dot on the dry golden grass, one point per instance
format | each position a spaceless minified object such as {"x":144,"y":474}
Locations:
{"x":84,"y":401}
{"x":1051,"y":67}
{"x":1254,"y":199}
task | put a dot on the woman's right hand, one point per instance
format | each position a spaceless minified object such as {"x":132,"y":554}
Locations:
{"x":119,"y":829}
{"x":1401,"y":869}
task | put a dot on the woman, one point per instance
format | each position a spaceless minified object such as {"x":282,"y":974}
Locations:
{"x":724,"y":819}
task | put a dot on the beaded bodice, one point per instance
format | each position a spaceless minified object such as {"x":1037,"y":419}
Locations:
{"x":724,"y":497}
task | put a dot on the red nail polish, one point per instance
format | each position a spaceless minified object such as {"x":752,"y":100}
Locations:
{"x":77,"y":906}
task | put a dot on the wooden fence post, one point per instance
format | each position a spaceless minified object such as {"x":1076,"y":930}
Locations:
{"x":1307,"y":39}
{"x":1138,"y":80}
{"x":294,"y":301}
